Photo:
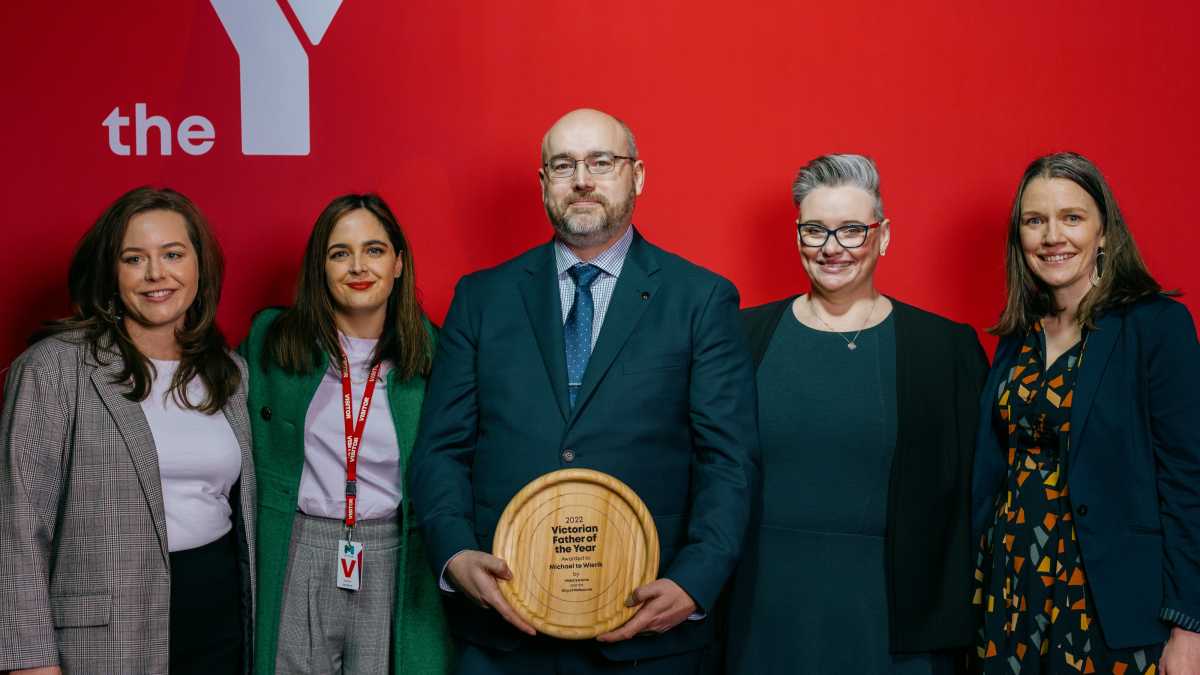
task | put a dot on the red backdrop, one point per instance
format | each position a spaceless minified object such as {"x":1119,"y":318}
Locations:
{"x":440,"y":107}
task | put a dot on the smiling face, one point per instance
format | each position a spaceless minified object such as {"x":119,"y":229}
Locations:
{"x":361,"y":265}
{"x":590,"y":210}
{"x":832,"y":268}
{"x":157,"y":270}
{"x":1061,"y":230}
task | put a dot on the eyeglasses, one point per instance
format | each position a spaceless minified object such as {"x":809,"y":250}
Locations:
{"x":851,"y":235}
{"x":597,"y":163}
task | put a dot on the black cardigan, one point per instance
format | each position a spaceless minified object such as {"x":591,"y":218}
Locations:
{"x":929,"y":557}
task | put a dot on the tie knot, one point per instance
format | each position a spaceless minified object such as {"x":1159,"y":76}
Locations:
{"x":583,"y":274}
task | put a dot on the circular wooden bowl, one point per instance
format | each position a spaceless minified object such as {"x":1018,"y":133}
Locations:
{"x":578,"y":542}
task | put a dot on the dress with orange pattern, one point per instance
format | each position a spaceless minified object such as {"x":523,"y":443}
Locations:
{"x":1038,"y":614}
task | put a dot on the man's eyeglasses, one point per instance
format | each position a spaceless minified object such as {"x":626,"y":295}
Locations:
{"x":597,"y":163}
{"x":851,"y":235}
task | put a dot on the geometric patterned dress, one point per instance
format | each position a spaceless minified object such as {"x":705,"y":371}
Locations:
{"x":1038,"y":614}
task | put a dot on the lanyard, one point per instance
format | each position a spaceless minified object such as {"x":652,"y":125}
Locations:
{"x":354,"y":432}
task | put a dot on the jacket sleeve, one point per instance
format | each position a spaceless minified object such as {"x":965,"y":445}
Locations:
{"x":724,"y":402}
{"x":34,"y":429}
{"x":439,"y":480}
{"x":1172,"y":362}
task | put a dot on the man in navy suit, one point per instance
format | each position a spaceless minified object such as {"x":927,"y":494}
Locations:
{"x":596,"y":350}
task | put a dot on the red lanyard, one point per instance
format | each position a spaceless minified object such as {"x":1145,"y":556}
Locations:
{"x":354,"y":431}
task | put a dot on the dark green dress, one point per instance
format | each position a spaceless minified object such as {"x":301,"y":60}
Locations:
{"x":809,"y":596}
{"x":1032,"y":587}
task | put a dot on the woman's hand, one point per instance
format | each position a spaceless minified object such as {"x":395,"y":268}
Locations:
{"x":1181,"y":656}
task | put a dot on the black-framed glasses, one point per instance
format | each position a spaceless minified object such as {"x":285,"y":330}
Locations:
{"x":597,"y":163}
{"x":850,"y":235}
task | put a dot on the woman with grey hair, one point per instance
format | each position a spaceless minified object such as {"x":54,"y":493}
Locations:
{"x":858,"y":557}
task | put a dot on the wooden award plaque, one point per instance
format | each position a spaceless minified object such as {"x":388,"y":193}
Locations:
{"x":578,"y":542}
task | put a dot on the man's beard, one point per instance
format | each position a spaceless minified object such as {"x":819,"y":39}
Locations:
{"x":588,"y":229}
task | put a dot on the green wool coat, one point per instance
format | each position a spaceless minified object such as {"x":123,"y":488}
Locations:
{"x":278,"y":403}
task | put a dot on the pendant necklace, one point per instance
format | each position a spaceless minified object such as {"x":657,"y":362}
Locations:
{"x":851,"y":343}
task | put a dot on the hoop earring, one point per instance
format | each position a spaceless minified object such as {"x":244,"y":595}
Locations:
{"x":1098,"y":270}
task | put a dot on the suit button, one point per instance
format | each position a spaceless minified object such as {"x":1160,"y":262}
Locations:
{"x":266,"y":413}
{"x":568,"y":455}
{"x":1081,"y":510}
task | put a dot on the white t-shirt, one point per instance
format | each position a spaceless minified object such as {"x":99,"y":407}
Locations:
{"x":199,"y":460}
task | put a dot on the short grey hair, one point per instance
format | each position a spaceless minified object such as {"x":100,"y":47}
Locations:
{"x":835,"y":171}
{"x":628,"y":137}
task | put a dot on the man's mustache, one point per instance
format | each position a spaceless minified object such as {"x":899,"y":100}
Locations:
{"x":599,"y":199}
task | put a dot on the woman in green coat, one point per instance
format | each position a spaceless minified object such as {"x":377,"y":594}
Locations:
{"x":336,"y":385}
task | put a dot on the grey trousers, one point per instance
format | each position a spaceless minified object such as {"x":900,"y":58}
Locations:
{"x":325,"y":629}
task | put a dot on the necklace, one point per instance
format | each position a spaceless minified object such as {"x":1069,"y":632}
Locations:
{"x":851,"y":343}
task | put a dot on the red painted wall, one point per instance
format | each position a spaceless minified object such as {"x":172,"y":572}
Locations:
{"x":440,"y":107}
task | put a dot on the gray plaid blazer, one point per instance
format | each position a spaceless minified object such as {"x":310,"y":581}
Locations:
{"x":84,"y":570}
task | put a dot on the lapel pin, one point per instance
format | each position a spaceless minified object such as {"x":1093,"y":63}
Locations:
{"x":645,"y":295}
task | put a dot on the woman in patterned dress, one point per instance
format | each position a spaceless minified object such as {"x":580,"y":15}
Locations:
{"x":1087,"y":480}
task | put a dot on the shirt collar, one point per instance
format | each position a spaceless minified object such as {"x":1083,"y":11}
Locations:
{"x":610,"y":261}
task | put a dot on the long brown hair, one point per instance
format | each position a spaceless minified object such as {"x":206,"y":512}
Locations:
{"x":305,"y":335}
{"x":98,"y":310}
{"x":1124,"y":277}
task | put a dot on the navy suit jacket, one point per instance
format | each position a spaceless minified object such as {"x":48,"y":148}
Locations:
{"x":1133,"y":467}
{"x":667,"y":405}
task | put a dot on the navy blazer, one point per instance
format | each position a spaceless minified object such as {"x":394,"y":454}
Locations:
{"x":667,"y":405}
{"x":1133,"y":467}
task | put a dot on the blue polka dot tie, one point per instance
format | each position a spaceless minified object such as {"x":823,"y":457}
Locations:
{"x":577,"y":331}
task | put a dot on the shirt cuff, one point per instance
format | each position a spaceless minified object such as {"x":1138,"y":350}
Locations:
{"x":443,"y":582}
{"x":698,"y":616}
{"x":1180,"y":619}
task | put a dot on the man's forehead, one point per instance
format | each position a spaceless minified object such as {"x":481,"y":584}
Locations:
{"x":581,"y":135}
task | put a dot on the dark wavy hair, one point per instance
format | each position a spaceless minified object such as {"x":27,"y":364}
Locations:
{"x":1125,"y":278}
{"x":98,"y":312}
{"x":305,"y":335}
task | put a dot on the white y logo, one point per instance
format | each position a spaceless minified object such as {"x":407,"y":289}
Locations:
{"x":274,"y":69}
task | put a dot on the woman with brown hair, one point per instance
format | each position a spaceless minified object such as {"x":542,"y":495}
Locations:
{"x":1086,"y":486}
{"x":336,"y":385}
{"x":126,"y":486}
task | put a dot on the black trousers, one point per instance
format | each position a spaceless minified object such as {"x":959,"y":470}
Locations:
{"x":206,"y":609}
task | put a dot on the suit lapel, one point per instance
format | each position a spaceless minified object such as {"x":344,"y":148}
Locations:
{"x":1097,"y":350}
{"x":539,"y":290}
{"x":632,"y":295}
{"x":239,"y":421}
{"x":135,"y":430}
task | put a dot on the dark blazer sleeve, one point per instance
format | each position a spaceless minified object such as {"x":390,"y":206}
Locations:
{"x":1172,"y":365}
{"x":439,"y":480}
{"x":725,"y":438}
{"x":35,"y":432}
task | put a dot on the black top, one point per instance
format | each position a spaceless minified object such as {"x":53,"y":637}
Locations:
{"x":940,"y":369}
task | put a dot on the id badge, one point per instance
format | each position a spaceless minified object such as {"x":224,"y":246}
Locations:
{"x":349,"y":572}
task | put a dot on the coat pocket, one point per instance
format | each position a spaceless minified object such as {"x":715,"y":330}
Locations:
{"x":71,"y":611}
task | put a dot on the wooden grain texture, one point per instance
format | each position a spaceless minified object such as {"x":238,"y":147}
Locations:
{"x":578,"y":542}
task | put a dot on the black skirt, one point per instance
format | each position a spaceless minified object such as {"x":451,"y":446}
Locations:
{"x":206,"y":609}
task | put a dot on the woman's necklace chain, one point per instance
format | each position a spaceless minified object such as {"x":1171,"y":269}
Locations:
{"x":851,"y":343}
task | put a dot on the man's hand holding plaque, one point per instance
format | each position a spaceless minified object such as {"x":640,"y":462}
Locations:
{"x":664,"y":605}
{"x":475,"y":573}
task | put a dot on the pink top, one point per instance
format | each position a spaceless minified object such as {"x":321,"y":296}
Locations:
{"x":323,"y":482}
